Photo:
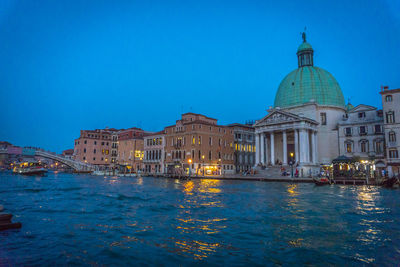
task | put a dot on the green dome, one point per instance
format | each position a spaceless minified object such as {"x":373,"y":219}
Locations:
{"x":304,"y":46}
{"x":307,"y":84}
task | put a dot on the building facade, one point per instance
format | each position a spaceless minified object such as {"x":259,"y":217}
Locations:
{"x":391,"y":114}
{"x":130,"y":148}
{"x":94,"y":146}
{"x":361,"y":134}
{"x":244,"y":144}
{"x":307,"y":107}
{"x":196,"y":144}
{"x":310,"y":124}
{"x":154,"y":153}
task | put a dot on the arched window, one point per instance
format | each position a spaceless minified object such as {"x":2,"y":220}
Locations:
{"x":348,"y":146}
{"x":388,"y":98}
{"x":392,"y":137}
{"x":390,"y":117}
{"x":364,"y":146}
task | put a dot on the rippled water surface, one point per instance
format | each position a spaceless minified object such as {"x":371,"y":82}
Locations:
{"x":80,"y":219}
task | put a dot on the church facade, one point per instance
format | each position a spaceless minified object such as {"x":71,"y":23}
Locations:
{"x":303,"y":127}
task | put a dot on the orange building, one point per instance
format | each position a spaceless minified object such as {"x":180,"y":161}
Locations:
{"x":197,"y":144}
{"x":94,"y":146}
{"x":130,"y":148}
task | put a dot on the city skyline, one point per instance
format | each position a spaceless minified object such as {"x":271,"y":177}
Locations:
{"x":75,"y":66}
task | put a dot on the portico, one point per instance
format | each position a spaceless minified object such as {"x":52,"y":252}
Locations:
{"x":284,"y":137}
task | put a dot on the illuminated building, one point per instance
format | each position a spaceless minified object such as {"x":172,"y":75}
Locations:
{"x":199,"y":138}
{"x":94,"y":146}
{"x":244,"y":144}
{"x":130,"y":148}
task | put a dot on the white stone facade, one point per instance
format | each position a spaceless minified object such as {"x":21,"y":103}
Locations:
{"x":361,"y":133}
{"x":391,"y":114}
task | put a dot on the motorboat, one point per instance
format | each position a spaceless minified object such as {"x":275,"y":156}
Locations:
{"x":29,"y":168}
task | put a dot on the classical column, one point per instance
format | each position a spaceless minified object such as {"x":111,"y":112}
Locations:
{"x":272,"y":148}
{"x":314,"y":147}
{"x":296,"y":145}
{"x":308,"y":146}
{"x":262,"y":136}
{"x":267,"y":151}
{"x":303,"y":146}
{"x":284,"y":148}
{"x":257,"y":149}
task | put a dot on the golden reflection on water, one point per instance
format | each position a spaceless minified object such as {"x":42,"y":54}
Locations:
{"x":366,"y":204}
{"x":293,"y":201}
{"x":199,"y":194}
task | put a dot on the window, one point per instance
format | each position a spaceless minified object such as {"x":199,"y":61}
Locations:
{"x":210,"y":141}
{"x":361,"y":115}
{"x":364,"y":146}
{"x":95,"y":142}
{"x":199,"y":140}
{"x":193,"y":140}
{"x":348,"y":147}
{"x":84,"y":158}
{"x":388,"y":98}
{"x":94,"y":151}
{"x":102,"y":143}
{"x":392,"y":137}
{"x":363,"y":130}
{"x":378,"y":128}
{"x":85,"y":142}
{"x":94,"y":158}
{"x":209,"y":155}
{"x":323,"y":118}
{"x":347,"y":131}
{"x":84,"y":150}
{"x":393,"y":154}
{"x":192,"y":154}
{"x":379,"y":147}
{"x":199,"y":154}
{"x":390,"y":117}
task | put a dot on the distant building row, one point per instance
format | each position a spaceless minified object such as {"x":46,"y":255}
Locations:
{"x":195,"y":144}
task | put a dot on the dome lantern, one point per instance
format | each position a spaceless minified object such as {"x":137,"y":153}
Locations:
{"x":308,"y":84}
{"x":305,"y":53}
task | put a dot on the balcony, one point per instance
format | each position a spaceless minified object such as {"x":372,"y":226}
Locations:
{"x":392,"y":144}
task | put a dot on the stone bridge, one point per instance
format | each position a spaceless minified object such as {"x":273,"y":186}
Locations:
{"x":74,"y":164}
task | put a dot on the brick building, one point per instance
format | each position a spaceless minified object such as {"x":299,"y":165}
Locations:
{"x":129,"y":148}
{"x":196,"y":143}
{"x":94,"y":146}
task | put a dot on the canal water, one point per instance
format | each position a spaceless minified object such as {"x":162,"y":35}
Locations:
{"x":73,"y":219}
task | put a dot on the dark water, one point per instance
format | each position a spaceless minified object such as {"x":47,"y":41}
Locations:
{"x":80,"y":220}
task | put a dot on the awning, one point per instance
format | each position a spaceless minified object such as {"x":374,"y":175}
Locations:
{"x":343,"y":159}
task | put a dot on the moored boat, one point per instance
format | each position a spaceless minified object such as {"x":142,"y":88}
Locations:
{"x":321,"y":181}
{"x":389,"y":183}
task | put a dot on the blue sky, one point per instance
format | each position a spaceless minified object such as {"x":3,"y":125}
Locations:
{"x":72,"y":65}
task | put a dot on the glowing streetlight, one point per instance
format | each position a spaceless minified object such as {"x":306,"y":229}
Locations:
{"x":190,"y":166}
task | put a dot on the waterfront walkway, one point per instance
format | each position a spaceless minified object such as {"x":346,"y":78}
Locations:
{"x":240,"y":177}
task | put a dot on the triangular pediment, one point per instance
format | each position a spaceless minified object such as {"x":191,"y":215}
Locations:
{"x":362,"y":107}
{"x":280,"y":116}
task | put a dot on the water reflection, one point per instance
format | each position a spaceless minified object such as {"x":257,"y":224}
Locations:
{"x":195,"y":221}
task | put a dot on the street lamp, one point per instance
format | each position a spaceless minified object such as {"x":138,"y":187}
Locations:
{"x":190,"y":166}
{"x":291,"y":163}
{"x":202,"y":157}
